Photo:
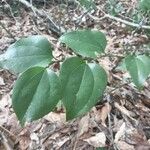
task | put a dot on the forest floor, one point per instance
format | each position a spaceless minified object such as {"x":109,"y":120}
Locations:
{"x":120,"y":121}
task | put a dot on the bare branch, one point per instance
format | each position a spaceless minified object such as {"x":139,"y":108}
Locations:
{"x":132,"y":24}
{"x":127,"y":22}
{"x":53,"y":27}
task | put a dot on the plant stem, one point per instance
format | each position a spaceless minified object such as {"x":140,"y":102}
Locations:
{"x":132,"y":24}
{"x":111,"y":55}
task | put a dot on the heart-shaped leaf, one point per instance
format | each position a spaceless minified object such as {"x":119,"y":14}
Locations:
{"x":82,"y":86}
{"x":139,"y":68}
{"x":100,"y":83}
{"x":85,"y":42}
{"x":26,"y":53}
{"x":35,"y":94}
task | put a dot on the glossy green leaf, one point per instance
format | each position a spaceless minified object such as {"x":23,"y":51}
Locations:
{"x":82,"y":86}
{"x":100,"y":83}
{"x":145,"y":5}
{"x":26,"y":53}
{"x":88,"y":4}
{"x":121,"y":66}
{"x":35,"y":94}
{"x":85,"y":42}
{"x":101,"y":148}
{"x":139,"y":68}
{"x":68,"y":66}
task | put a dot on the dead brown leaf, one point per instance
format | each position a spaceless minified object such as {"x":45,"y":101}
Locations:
{"x":5,"y":101}
{"x":99,"y":140}
{"x":134,"y":135}
{"x":2,"y":81}
{"x":120,"y":133}
{"x":83,"y":125}
{"x":101,"y":115}
{"x":34,"y":137}
{"x":53,"y":117}
{"x":142,"y":147}
{"x":123,"y":110}
{"x":24,"y":142}
{"x":124,"y":146}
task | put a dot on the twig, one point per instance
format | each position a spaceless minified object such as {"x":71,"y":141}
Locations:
{"x":119,"y":87}
{"x":8,"y":133}
{"x":6,"y":143}
{"x":110,"y":127}
{"x":53,"y":27}
{"x":127,"y":22}
{"x":111,"y":55}
{"x":78,"y":21}
{"x":132,"y":24}
{"x":124,"y":111}
{"x":10,"y":9}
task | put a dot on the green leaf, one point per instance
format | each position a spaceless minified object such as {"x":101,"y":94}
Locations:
{"x":138,"y":67}
{"x":26,"y":53}
{"x":88,"y":4}
{"x":101,"y":148}
{"x":121,"y":66}
{"x":144,"y":5}
{"x":82,"y":86}
{"x":35,"y":94}
{"x":67,"y":67}
{"x":85,"y":42}
{"x":100,"y":83}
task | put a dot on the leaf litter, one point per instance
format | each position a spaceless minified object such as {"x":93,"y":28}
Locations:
{"x":120,"y":121}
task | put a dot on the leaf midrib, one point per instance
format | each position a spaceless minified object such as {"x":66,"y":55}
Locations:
{"x":24,"y":116}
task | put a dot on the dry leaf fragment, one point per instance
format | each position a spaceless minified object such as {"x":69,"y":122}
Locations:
{"x":3,"y":117}
{"x":4,"y":110}
{"x":24,"y":142}
{"x":2,"y":81}
{"x":142,"y":147}
{"x":8,"y":144}
{"x":62,"y":142}
{"x":5,"y":101}
{"x":34,"y":137}
{"x":98,"y":140}
{"x":83,"y":125}
{"x":120,"y":133}
{"x":124,"y":146}
{"x":103,"y":113}
{"x":56,"y":117}
{"x":107,"y":65}
{"x":123,"y":110}
{"x":134,"y":136}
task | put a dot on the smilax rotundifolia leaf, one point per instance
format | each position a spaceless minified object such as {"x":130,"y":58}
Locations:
{"x":83,"y":84}
{"x":35,"y":94}
{"x":88,"y":43}
{"x":26,"y":53}
{"x":139,"y":68}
